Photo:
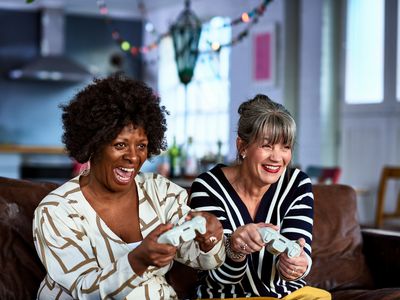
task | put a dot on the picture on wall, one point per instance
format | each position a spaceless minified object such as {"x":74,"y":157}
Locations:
{"x":264,"y":55}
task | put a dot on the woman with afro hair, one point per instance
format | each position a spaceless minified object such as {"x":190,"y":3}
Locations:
{"x":96,"y":234}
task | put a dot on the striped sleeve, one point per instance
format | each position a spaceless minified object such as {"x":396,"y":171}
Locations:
{"x":298,"y":219}
{"x":206,"y":195}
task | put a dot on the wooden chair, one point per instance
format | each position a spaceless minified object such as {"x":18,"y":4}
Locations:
{"x":321,"y":174}
{"x":388,"y":173}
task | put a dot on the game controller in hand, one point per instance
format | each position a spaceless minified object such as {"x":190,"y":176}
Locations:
{"x":277,"y":243}
{"x":185,"y":231}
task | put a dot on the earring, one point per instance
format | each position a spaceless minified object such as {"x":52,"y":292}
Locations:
{"x":243,"y":155}
{"x":85,"y":169}
{"x":85,"y":172}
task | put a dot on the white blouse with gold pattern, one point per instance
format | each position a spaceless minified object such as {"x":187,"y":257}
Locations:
{"x":84,"y":259}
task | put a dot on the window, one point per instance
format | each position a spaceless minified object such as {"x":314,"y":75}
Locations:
{"x":203,"y":113}
{"x":398,"y":55}
{"x":364,"y":51}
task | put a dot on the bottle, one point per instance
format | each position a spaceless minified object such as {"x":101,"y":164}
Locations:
{"x":219,"y":158}
{"x":163,"y":168}
{"x":191,"y":168}
{"x":174,"y":160}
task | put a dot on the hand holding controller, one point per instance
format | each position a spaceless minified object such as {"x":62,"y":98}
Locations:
{"x":277,"y":243}
{"x":185,"y":231}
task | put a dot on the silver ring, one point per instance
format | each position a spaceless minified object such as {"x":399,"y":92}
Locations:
{"x":243,"y":246}
{"x":213,"y":239}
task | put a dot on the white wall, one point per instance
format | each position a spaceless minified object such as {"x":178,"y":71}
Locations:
{"x":309,"y":117}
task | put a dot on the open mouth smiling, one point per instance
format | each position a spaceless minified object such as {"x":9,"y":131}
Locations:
{"x":124,"y":175}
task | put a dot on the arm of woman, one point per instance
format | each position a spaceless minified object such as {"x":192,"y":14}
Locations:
{"x":70,"y":259}
{"x":297,"y":225}
{"x":205,"y":198}
{"x":151,"y":253}
{"x":199,"y":253}
{"x":294,"y":268}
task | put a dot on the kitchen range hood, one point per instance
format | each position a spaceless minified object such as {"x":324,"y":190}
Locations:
{"x":52,"y":65}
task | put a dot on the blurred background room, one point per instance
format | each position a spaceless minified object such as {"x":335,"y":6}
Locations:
{"x":333,"y":63}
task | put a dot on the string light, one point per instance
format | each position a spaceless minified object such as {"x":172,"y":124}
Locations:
{"x":149,"y":27}
{"x":245,"y":17}
{"x":125,"y":46}
{"x":215,"y":46}
{"x":249,"y":18}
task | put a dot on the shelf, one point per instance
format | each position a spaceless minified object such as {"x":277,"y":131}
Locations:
{"x":25,"y":149}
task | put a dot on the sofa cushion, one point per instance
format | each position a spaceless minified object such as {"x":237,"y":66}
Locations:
{"x":21,"y":269}
{"x":338,"y":261}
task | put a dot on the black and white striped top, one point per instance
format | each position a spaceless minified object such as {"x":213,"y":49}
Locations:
{"x":288,"y":203}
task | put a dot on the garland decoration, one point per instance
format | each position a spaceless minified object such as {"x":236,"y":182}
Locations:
{"x":248,"y":18}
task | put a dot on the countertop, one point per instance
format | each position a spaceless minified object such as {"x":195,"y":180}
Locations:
{"x":27,"y":149}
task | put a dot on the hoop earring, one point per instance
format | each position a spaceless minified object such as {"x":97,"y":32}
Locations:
{"x":85,"y":168}
{"x":85,"y":172}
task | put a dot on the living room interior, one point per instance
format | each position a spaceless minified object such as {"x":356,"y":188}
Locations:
{"x":341,"y":123}
{"x":334,"y":64}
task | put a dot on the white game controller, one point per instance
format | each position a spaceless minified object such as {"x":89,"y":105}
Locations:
{"x":277,"y":243}
{"x":185,"y":231}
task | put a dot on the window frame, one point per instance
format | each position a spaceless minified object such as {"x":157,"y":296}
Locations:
{"x":389,"y":103}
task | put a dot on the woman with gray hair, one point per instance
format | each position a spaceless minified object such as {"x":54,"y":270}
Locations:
{"x":266,"y":209}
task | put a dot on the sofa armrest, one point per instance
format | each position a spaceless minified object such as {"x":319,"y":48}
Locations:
{"x":382,"y":253}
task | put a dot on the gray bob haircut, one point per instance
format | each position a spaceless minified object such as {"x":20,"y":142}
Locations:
{"x":263,"y":119}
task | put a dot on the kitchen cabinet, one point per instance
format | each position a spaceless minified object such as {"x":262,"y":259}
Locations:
{"x":35,"y":162}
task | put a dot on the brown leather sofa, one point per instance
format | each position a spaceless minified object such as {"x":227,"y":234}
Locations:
{"x":351,"y":263}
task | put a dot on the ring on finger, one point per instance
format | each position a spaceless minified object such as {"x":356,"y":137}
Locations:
{"x":212,"y":239}
{"x":243,"y":246}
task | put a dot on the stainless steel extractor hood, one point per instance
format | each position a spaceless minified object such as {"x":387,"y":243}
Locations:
{"x":52,"y":65}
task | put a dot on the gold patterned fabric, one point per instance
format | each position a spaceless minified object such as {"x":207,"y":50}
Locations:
{"x":84,"y":259}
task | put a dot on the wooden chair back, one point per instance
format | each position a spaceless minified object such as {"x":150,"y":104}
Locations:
{"x":388,"y":173}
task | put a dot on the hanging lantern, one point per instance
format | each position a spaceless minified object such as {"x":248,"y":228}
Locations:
{"x":186,"y":35}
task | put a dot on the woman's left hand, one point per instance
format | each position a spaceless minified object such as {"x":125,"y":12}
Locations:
{"x":214,"y":231}
{"x":293,"y":268}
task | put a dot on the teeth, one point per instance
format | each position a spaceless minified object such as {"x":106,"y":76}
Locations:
{"x":123,"y":179}
{"x":127,"y":169}
{"x":272,"y":167}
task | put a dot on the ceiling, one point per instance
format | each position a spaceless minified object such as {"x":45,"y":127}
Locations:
{"x":123,"y":8}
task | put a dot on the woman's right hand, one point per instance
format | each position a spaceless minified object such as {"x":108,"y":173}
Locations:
{"x":246,"y":239}
{"x":152,"y":253}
